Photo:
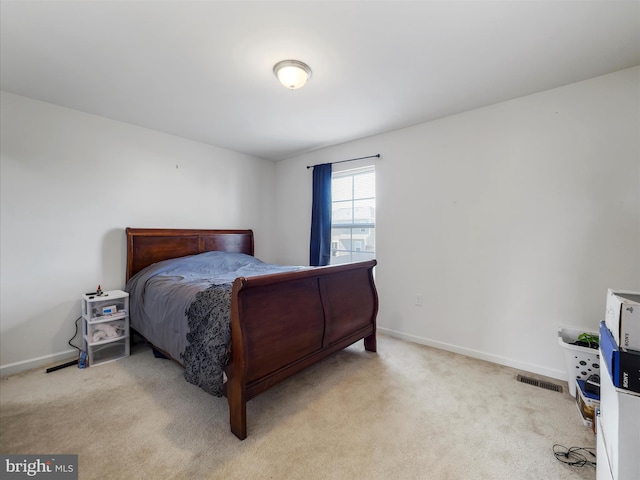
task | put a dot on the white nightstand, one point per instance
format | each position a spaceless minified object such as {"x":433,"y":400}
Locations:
{"x":105,"y":326}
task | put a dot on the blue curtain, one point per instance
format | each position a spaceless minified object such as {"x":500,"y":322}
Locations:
{"x":320,"y":248}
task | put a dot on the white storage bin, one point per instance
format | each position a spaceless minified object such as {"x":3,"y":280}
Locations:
{"x":105,"y":326}
{"x":580,"y":362}
{"x":106,"y":330}
{"x":109,"y":351}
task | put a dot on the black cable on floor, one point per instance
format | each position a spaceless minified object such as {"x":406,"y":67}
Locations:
{"x":574,"y":456}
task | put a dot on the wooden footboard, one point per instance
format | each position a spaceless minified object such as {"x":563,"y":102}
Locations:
{"x":283,"y":323}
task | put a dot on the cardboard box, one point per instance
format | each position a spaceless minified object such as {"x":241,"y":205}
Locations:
{"x":623,"y":365}
{"x":587,"y":403}
{"x":623,"y":318}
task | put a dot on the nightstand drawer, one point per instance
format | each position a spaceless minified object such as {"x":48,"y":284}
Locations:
{"x":107,"y":352}
{"x":107,"y":331}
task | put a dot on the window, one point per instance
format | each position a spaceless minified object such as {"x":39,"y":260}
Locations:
{"x":353,"y":215}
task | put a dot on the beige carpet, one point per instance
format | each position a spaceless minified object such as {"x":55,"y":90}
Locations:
{"x":407,"y":412}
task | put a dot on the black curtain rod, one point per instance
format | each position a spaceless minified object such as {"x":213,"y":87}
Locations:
{"x":343,"y":161}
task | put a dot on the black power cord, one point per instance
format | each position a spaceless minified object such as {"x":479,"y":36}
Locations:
{"x":73,"y":362}
{"x":75,"y":335}
{"x":574,"y":456}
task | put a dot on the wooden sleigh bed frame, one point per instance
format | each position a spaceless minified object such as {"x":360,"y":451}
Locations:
{"x":280,"y":323}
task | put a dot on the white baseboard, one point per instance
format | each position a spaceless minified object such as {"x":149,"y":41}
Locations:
{"x":508,"y":362}
{"x":46,"y":361}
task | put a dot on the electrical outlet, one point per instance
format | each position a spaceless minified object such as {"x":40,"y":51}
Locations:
{"x":419,"y":300}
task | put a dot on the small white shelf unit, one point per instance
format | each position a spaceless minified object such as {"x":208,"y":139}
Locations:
{"x":105,"y":326}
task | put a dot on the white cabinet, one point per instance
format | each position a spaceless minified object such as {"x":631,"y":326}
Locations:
{"x":105,"y":326}
{"x":618,"y":445}
{"x":603,"y":468}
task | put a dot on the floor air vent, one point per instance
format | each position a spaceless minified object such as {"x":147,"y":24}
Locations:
{"x":540,"y":383}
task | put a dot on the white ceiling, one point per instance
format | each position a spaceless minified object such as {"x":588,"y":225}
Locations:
{"x":203,"y":69}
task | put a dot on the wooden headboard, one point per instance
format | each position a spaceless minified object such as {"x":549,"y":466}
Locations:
{"x":146,"y":246}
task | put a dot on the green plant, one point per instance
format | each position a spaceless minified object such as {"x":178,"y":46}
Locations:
{"x":591,"y":340}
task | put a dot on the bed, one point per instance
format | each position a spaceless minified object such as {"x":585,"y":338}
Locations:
{"x":279,"y":323}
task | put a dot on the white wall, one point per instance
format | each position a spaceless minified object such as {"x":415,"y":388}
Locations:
{"x":71,"y":183}
{"x":510,"y":220}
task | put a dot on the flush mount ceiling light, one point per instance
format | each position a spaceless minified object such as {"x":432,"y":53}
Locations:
{"x":292,"y":74}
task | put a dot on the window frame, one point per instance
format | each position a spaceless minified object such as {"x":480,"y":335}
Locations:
{"x":368,"y":227}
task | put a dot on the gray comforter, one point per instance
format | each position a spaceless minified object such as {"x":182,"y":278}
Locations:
{"x":182,"y":306}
